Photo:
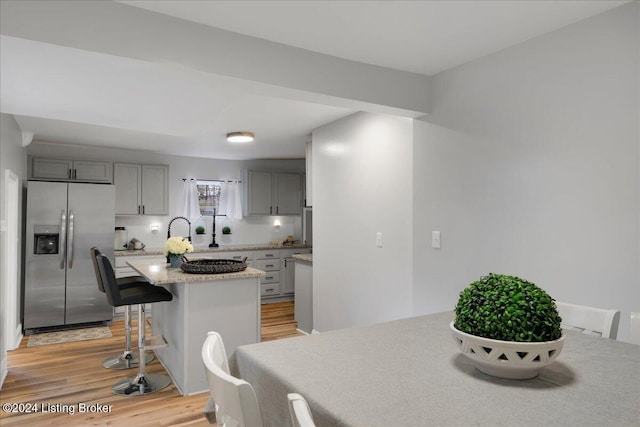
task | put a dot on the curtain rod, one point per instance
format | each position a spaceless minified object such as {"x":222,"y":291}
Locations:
{"x":219,"y":180}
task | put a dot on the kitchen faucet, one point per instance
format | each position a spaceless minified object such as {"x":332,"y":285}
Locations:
{"x":171,"y":222}
{"x":169,"y":229}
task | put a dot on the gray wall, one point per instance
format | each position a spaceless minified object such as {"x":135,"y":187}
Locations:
{"x":12,"y":156}
{"x":529,"y":165}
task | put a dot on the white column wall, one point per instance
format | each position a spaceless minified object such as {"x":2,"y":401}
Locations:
{"x":529,"y":165}
{"x":362,"y":184}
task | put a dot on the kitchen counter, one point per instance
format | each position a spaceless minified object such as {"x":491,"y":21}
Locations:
{"x":230,"y":248}
{"x":160,"y":273}
{"x":227,"y":303}
{"x":304,"y":257}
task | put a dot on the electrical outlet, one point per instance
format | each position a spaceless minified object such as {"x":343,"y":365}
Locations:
{"x":379,"y":240}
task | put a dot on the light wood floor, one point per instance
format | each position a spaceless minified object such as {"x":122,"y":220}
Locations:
{"x":72,"y":373}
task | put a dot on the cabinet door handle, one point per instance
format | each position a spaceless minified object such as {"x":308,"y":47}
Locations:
{"x":285,"y":263}
{"x":143,"y":209}
{"x":270,"y":210}
{"x":268,"y":265}
{"x":277,"y":208}
{"x":75,"y":174}
{"x":237,"y":257}
{"x":269,"y":289}
{"x":70,"y":174}
{"x":138,"y":209}
{"x":268,"y":255}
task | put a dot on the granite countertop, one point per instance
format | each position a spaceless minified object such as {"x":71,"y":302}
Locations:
{"x":160,"y":273}
{"x":304,"y":257}
{"x":257,"y":247}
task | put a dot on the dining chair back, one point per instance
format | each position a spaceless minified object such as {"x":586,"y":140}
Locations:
{"x":300,"y":412}
{"x":589,"y":320}
{"x":235,"y":400}
{"x":635,"y":328}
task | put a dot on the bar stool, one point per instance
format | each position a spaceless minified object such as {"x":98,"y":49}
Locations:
{"x":128,"y":359}
{"x":140,"y":294}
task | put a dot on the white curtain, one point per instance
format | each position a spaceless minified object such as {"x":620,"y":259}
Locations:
{"x":190,"y":205}
{"x":230,"y":200}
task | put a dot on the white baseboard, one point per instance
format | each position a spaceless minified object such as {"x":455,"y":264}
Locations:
{"x":17,"y":338}
{"x":302,"y":332}
{"x":313,"y":331}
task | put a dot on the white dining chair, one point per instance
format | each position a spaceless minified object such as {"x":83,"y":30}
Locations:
{"x":300,"y":412}
{"x":589,"y":320}
{"x":635,"y":328}
{"x":234,"y":399}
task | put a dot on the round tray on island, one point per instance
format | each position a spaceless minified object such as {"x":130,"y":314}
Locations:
{"x":213,"y":266}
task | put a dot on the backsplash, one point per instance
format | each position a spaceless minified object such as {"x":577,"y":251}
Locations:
{"x":249,"y":230}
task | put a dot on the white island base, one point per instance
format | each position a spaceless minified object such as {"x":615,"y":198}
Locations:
{"x":226,"y":303}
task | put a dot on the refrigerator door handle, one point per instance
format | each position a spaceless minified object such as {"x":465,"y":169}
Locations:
{"x":71,"y":218}
{"x":63,"y":238}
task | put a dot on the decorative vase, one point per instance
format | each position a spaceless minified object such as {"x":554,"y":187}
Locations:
{"x":507,"y":359}
{"x":175,"y":260}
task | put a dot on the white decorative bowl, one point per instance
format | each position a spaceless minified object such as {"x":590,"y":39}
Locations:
{"x":507,"y":359}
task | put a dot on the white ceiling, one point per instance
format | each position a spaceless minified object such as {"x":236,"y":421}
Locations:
{"x":423,"y":37}
{"x":75,"y":96}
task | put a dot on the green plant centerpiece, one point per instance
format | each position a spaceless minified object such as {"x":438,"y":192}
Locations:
{"x":226,"y":230}
{"x":200,"y":229}
{"x":507,"y":308}
{"x":508,"y":326}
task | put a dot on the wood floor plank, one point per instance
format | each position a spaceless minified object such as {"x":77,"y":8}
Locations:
{"x":72,"y":374}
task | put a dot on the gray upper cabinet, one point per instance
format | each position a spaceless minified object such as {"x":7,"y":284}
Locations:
{"x":71,"y":170}
{"x":259,"y":193}
{"x":287,"y":193}
{"x":141,"y":189}
{"x":273,"y":193}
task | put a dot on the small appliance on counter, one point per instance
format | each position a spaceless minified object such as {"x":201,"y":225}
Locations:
{"x":135,"y":245}
{"x":121,"y":239}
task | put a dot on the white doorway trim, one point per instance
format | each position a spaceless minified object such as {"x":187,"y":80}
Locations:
{"x":10,"y":244}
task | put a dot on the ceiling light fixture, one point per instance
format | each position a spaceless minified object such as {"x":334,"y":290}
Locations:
{"x":240,"y":136}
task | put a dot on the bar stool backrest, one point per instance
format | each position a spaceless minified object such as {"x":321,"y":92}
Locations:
{"x":94,"y":253}
{"x":109,"y":281}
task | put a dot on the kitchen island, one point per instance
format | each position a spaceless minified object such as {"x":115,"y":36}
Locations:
{"x":227,"y":303}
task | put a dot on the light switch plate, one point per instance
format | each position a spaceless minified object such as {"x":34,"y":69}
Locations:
{"x":379,"y":240}
{"x":435,"y":239}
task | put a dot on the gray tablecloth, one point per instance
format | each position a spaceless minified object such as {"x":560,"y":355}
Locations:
{"x":409,"y":373}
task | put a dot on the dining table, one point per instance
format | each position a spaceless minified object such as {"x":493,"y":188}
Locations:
{"x":409,"y":372}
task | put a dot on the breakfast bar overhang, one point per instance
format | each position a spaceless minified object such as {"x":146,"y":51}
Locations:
{"x":227,"y":303}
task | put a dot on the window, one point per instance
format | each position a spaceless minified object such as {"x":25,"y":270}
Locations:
{"x":209,"y":196}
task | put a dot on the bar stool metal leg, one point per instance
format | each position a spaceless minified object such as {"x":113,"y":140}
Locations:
{"x":143,"y":383}
{"x":128,"y":359}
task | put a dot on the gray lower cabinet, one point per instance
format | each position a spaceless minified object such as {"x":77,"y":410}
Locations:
{"x":279,"y":280}
{"x":71,"y":170}
{"x":288,"y":275}
{"x":141,"y":189}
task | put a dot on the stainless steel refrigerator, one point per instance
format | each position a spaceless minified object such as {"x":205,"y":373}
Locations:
{"x":64,"y":220}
